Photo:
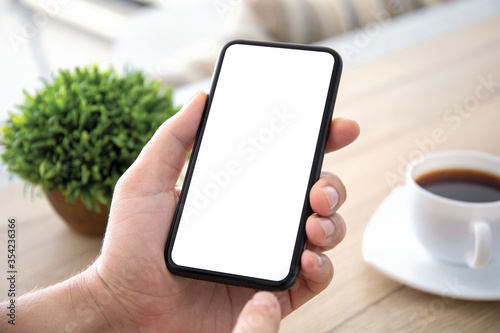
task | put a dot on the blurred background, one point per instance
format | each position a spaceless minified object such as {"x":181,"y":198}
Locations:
{"x":177,"y":41}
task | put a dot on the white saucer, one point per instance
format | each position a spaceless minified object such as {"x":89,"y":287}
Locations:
{"x":390,"y":247}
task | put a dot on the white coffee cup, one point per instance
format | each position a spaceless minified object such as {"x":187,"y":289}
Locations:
{"x":454,"y":231}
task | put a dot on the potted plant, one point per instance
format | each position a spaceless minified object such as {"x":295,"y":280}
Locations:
{"x":76,"y":136}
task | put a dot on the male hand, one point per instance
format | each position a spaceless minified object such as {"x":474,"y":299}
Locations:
{"x":130,"y":282}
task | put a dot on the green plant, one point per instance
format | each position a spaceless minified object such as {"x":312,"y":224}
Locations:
{"x":82,"y":130}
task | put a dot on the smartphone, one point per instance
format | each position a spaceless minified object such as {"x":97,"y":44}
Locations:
{"x":241,"y":215}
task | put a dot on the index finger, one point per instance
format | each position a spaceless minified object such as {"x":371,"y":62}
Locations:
{"x":343,"y":132}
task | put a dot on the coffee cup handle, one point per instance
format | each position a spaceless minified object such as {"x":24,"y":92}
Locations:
{"x":480,"y":255}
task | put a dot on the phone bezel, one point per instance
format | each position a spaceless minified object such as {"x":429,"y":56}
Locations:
{"x":300,"y":242}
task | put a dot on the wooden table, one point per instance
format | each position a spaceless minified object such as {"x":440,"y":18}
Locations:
{"x":398,"y":100}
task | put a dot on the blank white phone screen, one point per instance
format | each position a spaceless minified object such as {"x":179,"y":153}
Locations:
{"x":244,"y":203}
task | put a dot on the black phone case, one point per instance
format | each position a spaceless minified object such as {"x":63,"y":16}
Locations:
{"x":300,"y":243}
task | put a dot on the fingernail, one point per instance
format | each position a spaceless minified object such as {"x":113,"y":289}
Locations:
{"x":331,"y":195}
{"x":264,"y":300}
{"x":320,"y":260}
{"x":192,"y":98}
{"x":327,"y":225}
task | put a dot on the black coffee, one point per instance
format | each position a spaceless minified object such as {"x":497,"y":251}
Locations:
{"x":462,"y":184}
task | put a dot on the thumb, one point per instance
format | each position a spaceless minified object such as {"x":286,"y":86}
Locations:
{"x":154,"y":172}
{"x":261,"y":314}
{"x":162,"y":159}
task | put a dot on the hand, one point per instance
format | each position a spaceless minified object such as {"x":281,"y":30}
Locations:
{"x":128,"y":288}
{"x":131,"y":272}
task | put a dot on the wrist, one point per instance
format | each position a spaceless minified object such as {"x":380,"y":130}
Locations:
{"x":82,"y":303}
{"x":96,"y":305}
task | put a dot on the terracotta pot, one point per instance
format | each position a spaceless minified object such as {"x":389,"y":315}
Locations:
{"x":77,"y":216}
